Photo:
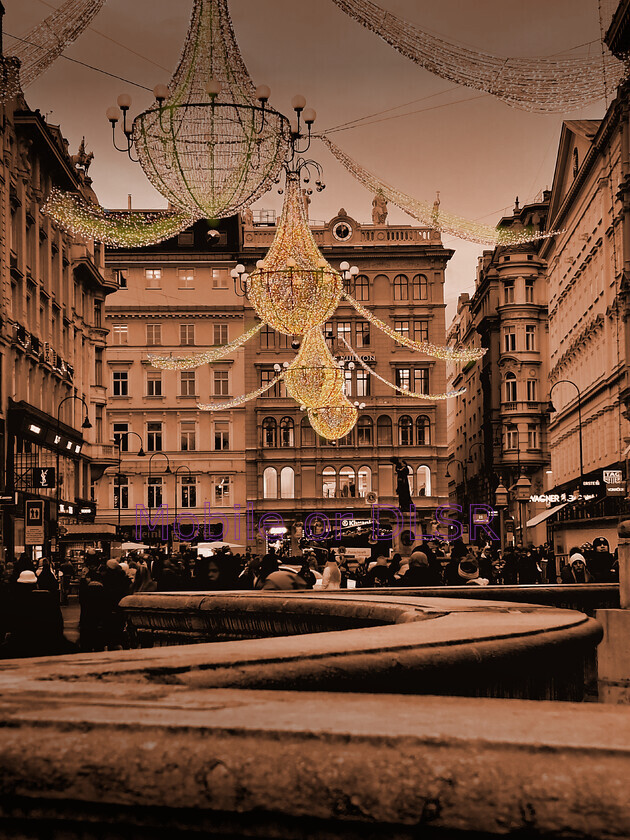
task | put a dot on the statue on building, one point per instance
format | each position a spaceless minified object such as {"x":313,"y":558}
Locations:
{"x":307,"y":201}
{"x":248,"y":217}
{"x":82,"y":159}
{"x":379,"y":209}
{"x":435,"y":215}
{"x":403,"y":490}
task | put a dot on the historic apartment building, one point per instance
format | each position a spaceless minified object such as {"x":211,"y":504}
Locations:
{"x":52,"y":338}
{"x":497,"y":429}
{"x":263,"y":456}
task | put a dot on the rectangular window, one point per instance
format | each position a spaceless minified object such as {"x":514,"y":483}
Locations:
{"x":344,"y":330}
{"x":189,"y":491}
{"x":120,"y":276}
{"x":508,"y":292}
{"x":222,"y":491}
{"x":187,"y":383}
{"x":363,"y":334}
{"x":348,"y":378}
{"x":186,"y":335}
{"x":188,"y":439}
{"x":363,"y":383}
{"x":98,"y":423}
{"x":219,"y":278}
{"x":186,"y":278}
{"x":120,"y":334}
{"x":511,"y":438}
{"x":531,"y":390}
{"x":220,"y":334}
{"x":153,"y":277}
{"x":532,"y":436}
{"x":121,"y":492}
{"x":154,"y":437}
{"x":267,"y":338}
{"x":267,"y":375}
{"x":98,"y":366}
{"x":154,"y":383}
{"x":186,"y":238}
{"x":120,"y":383}
{"x":529,"y":291}
{"x":402,"y":327}
{"x":221,"y":435}
{"x":530,"y":337}
{"x":154,"y":334}
{"x":509,"y":340}
{"x":221,"y":383}
{"x":403,"y":378}
{"x":121,"y":436}
{"x":420,"y":330}
{"x":421,"y":380}
{"x":154,"y":491}
{"x":98,"y":314}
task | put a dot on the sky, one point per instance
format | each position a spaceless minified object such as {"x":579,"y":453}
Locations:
{"x":477,"y":151}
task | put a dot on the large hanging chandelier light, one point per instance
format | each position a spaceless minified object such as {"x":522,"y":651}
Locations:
{"x":313,"y":377}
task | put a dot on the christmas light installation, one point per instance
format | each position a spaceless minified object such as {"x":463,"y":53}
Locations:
{"x":334,"y":421}
{"x":125,"y":230}
{"x":237,"y":401}
{"x":199,"y":359}
{"x":430,"y":214}
{"x":9,"y":78}
{"x":542,"y":85}
{"x":43,"y":44}
{"x":314,"y":377}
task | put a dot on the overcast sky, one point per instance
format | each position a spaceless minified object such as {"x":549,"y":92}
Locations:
{"x":479,"y":153}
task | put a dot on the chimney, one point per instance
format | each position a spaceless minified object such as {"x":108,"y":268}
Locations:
{"x":129,"y":194}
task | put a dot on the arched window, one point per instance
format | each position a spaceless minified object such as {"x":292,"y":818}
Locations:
{"x":269,"y":433}
{"x":347,"y":482}
{"x":510,"y":387}
{"x":384,"y":430}
{"x":362,"y":288}
{"x":401,"y":287}
{"x":405,"y":431}
{"x":329,"y":477}
{"x":308,"y":433}
{"x":286,"y":432}
{"x":420,"y":287}
{"x":365,"y":481}
{"x":365,"y":429}
{"x":423,"y":481}
{"x":270,"y":483}
{"x":287,"y":483}
{"x":423,"y":431}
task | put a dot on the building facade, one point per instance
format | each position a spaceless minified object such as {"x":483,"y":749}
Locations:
{"x":497,"y":429}
{"x":262,"y":457}
{"x":52,"y":339}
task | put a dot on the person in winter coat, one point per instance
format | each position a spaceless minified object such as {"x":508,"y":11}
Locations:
{"x":576,"y":571}
{"x":331,"y":578}
{"x":419,"y":572}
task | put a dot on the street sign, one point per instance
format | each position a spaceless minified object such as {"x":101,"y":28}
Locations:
{"x":43,"y":478}
{"x":34,"y":524}
{"x":8,"y":499}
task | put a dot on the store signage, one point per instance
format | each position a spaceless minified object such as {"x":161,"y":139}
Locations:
{"x":43,"y":478}
{"x":34,"y":524}
{"x":616,"y":489}
{"x":8,"y":499}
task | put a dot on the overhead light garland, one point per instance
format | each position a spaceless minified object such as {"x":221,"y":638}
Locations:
{"x":199,"y":359}
{"x":542,"y":85}
{"x":9,"y":77}
{"x":447,"y":354}
{"x":240,"y":400}
{"x":405,"y":391}
{"x":123,"y":230}
{"x":43,"y":44}
{"x":430,"y":214}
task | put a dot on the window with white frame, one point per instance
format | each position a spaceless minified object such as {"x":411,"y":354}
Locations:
{"x":120,"y":334}
{"x":221,"y":383}
{"x":121,"y":492}
{"x":219,"y":278}
{"x":423,"y":481}
{"x":121,"y":436}
{"x":188,"y":436}
{"x":222,"y":490}
{"x":348,"y":379}
{"x":154,"y":334}
{"x":532,"y":436}
{"x":363,"y":383}
{"x":421,"y":380}
{"x":510,"y":387}
{"x":420,"y":330}
{"x":508,"y":291}
{"x":120,"y":383}
{"x":530,"y":337}
{"x":511,"y":437}
{"x":529,"y":290}
{"x":532,"y":390}
{"x":186,"y":278}
{"x":402,"y":328}
{"x":187,"y":383}
{"x":220,"y":334}
{"x":362,"y":334}
{"x":403,"y":378}
{"x":344,"y":330}
{"x":154,"y":436}
{"x":221,"y":435}
{"x":186,"y":335}
{"x":154,"y":383}
{"x":509,"y":339}
{"x":154,"y":491}
{"x":365,"y":430}
{"x":188,"y":491}
{"x":153,"y":277}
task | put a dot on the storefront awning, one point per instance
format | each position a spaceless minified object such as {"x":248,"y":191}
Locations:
{"x":536,"y":520}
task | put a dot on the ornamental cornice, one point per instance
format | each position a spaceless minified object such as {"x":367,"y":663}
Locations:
{"x":585,"y":334}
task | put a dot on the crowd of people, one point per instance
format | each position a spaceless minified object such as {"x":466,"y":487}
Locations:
{"x":31,"y":594}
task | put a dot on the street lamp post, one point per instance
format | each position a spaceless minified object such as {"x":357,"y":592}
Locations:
{"x":85,"y":425}
{"x":141,"y":454}
{"x":551,"y":409}
{"x":167,"y":471}
{"x":181,"y":467}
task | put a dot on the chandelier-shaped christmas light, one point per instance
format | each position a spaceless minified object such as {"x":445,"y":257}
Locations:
{"x":43,"y":44}
{"x":314,"y":378}
{"x":543,"y":85}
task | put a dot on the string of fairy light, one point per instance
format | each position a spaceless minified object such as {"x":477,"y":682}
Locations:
{"x":208,"y":356}
{"x":557,"y":84}
{"x":237,"y":401}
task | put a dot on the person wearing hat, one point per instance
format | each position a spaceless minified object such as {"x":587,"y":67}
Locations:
{"x":418,"y":573}
{"x":468,"y":572}
{"x":600,"y":562}
{"x":34,"y":623}
{"x":576,"y":570}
